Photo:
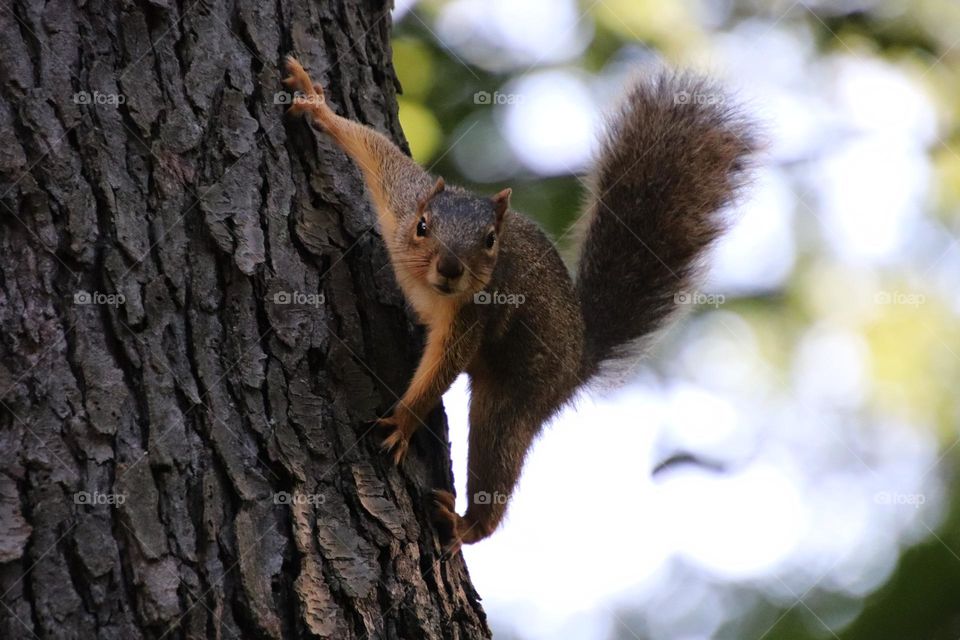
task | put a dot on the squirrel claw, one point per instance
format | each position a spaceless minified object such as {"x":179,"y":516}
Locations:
{"x":397,"y":442}
{"x":444,"y":499}
{"x":447,"y":521}
{"x":299,"y":79}
{"x":308,"y":96}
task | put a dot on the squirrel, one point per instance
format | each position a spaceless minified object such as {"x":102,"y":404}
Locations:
{"x":668,"y":165}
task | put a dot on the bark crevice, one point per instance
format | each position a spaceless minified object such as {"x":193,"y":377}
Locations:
{"x":181,"y":200}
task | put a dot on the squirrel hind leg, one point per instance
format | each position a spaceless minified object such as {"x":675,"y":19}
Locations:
{"x":455,"y":530}
{"x":503,"y":425}
{"x":447,"y":521}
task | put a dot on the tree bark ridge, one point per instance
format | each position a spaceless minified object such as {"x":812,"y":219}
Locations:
{"x":197,"y":325}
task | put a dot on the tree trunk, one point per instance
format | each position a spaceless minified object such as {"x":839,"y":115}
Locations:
{"x":197,"y":325}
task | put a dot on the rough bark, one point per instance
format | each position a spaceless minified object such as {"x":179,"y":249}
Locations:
{"x":197,"y":324}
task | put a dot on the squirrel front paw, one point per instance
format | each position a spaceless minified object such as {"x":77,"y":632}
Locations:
{"x":400,"y":427}
{"x":308,"y":96}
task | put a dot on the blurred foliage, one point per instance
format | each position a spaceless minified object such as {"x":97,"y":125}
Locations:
{"x":914,"y":352}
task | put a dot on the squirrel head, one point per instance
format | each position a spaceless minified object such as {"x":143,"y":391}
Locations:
{"x":453,"y":238}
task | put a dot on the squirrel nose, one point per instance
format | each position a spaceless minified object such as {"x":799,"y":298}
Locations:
{"x":449,"y":266}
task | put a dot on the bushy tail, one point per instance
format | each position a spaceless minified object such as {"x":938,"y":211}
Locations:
{"x":674,"y":155}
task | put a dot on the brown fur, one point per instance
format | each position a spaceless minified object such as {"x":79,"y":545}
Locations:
{"x":674,"y":155}
{"x":664,"y":172}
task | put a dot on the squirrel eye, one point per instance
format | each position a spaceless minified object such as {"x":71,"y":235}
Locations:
{"x":491,"y":239}
{"x":422,"y":228}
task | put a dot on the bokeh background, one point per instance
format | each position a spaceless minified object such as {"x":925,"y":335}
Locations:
{"x":809,"y":399}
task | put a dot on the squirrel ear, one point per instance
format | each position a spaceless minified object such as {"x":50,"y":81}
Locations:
{"x":437,"y":188}
{"x":501,"y":202}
